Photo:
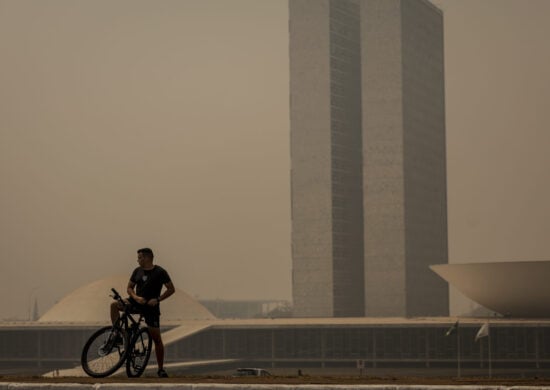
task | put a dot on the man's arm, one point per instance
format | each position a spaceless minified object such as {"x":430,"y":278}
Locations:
{"x":132,"y":293}
{"x":170,"y":289}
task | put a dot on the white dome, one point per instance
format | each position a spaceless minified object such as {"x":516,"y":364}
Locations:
{"x":90,"y":303}
{"x":514,"y":289}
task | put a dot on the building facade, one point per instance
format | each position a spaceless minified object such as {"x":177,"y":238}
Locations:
{"x":368,"y":173}
{"x":331,"y":348}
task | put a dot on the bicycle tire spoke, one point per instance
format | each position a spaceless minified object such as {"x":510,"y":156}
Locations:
{"x":139,"y":355}
{"x":104,"y":353}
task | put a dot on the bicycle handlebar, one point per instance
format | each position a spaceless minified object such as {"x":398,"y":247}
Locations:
{"x":116,"y":295}
{"x":127,"y":306}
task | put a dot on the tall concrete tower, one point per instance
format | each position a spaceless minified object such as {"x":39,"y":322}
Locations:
{"x":368,"y":157}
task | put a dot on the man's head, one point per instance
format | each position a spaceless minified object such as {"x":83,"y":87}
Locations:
{"x":145,"y":256}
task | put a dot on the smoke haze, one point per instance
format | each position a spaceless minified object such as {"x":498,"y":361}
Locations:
{"x":165,"y":124}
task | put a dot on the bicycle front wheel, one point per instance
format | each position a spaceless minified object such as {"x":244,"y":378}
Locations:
{"x":138,"y":356}
{"x":104,"y":352}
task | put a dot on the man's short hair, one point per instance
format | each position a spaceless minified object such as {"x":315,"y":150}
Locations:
{"x":147,"y":252}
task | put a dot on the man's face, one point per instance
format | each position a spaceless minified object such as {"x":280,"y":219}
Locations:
{"x":142,"y":259}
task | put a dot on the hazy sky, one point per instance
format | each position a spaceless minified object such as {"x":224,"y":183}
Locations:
{"x":165,"y":124}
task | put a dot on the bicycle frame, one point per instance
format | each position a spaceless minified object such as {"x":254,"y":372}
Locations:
{"x":110,"y":346}
{"x":131,"y":326}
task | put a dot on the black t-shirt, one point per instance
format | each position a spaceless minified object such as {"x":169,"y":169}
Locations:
{"x":149,"y":282}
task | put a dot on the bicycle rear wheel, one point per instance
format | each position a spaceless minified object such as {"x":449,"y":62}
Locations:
{"x":139,"y":354}
{"x":104,"y":352}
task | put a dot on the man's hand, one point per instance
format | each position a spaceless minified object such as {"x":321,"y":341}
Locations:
{"x":140,"y":300}
{"x":153,"y":302}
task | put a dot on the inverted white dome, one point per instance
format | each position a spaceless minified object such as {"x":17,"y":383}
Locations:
{"x":513,"y":289}
{"x":90,"y":303}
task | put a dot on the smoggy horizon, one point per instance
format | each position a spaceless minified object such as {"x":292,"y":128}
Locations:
{"x":166,"y":124}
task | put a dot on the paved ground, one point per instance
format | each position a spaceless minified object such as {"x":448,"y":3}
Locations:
{"x":294,"y":380}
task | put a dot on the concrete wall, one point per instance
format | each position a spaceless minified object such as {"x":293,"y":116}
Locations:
{"x":346,"y":167}
{"x":383,"y":182}
{"x":424,"y":157}
{"x":516,"y":348}
{"x":310,"y":150}
{"x":326,"y":152}
{"x":404,"y":158}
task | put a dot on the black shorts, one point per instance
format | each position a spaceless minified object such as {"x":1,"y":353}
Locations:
{"x":151,"y":314}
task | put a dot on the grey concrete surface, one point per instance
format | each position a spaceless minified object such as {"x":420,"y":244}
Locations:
{"x":206,"y":386}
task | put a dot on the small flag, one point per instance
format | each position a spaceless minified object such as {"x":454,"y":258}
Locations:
{"x":483,"y":331}
{"x":452,"y":329}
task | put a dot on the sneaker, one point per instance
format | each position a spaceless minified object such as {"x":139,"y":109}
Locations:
{"x":162,"y":374}
{"x":112,"y":342}
{"x":115,"y":340}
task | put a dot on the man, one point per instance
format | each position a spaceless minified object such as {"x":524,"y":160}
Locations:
{"x":144,"y":290}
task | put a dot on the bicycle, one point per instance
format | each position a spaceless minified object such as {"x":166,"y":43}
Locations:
{"x":109,"y":347}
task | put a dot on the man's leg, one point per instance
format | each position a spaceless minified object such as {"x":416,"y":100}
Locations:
{"x":159,"y":346}
{"x":115,"y":308}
